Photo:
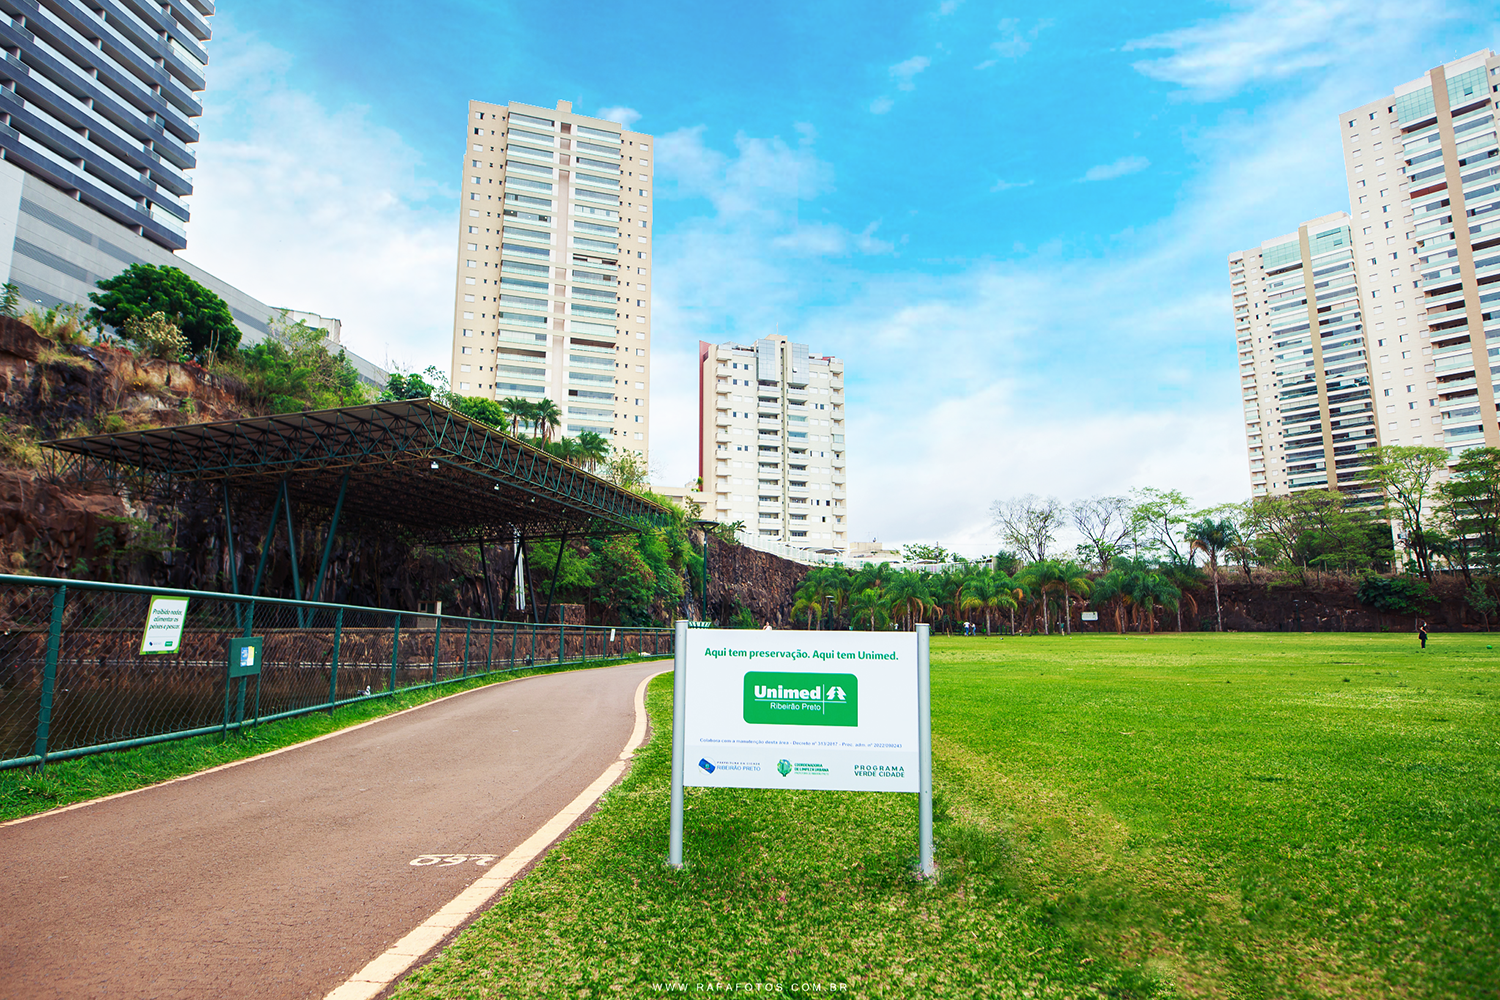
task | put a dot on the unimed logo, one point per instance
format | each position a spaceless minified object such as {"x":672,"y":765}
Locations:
{"x":786,"y":699}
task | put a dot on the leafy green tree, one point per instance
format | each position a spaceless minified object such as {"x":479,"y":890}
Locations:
{"x":293,"y":370}
{"x":920,"y":552}
{"x":143,"y":289}
{"x":1029,"y":523}
{"x":1158,"y":517}
{"x":626,"y":583}
{"x":10,"y":300}
{"x":401,"y":386}
{"x":1399,"y":595}
{"x":1408,"y":476}
{"x":1105,"y":524}
{"x":486,"y":411}
{"x":1470,"y":499}
{"x":155,"y":336}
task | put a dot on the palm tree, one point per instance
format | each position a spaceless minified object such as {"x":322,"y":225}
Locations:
{"x":1043,"y":577}
{"x":1213,"y":537}
{"x":547,"y":418}
{"x":1071,"y":579}
{"x":1147,"y":590}
{"x":518,"y":410}
{"x":809,"y":602}
{"x":1111,"y":589}
{"x":873,"y":576}
{"x":566,"y":449}
{"x":867,"y":605}
{"x":988,"y":590}
{"x":908,"y":593}
{"x":593,"y":448}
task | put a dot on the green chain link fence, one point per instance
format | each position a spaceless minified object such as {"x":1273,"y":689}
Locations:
{"x":73,"y":679}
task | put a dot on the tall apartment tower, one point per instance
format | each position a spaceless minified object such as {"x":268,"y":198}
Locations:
{"x":98,"y":98}
{"x":1304,"y":361}
{"x":1424,"y":189}
{"x":771,"y":442}
{"x":553,"y":292}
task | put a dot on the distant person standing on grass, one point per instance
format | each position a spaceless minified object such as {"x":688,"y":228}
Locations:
{"x":1422,"y":634}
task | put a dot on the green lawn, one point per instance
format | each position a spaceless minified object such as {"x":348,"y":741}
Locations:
{"x":1143,"y":816}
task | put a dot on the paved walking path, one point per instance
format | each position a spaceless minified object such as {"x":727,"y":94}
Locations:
{"x":282,"y":876}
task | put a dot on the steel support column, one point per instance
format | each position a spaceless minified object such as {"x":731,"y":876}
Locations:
{"x":333,"y":526}
{"x":291,"y":548}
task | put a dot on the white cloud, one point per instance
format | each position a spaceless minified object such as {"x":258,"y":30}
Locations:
{"x":625,"y":116}
{"x":1280,"y":39}
{"x":947,"y":7}
{"x":1004,"y":185}
{"x":881,"y":105}
{"x":319,"y":208}
{"x":905,"y":72}
{"x":1124,"y":165}
{"x":1050,"y":372}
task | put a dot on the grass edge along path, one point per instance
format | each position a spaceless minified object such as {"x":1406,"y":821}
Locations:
{"x":784,"y":892}
{"x":25,"y":793}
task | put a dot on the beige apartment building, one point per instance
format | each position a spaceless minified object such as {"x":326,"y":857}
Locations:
{"x":552,"y":297}
{"x":772,"y":442}
{"x":1304,"y":360}
{"x":1427,"y":293}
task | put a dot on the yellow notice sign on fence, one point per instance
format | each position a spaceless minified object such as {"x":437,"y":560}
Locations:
{"x":164,"y":623}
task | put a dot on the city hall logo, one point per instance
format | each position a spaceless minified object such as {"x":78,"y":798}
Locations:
{"x":788,"y":699}
{"x":707,"y":765}
{"x":784,"y":766}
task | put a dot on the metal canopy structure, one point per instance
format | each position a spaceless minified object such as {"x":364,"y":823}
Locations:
{"x":412,"y":464}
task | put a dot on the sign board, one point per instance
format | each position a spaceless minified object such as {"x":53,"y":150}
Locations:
{"x":824,"y":710}
{"x":829,"y":711}
{"x":1090,"y":616}
{"x":244,"y":657}
{"x":164,"y":621}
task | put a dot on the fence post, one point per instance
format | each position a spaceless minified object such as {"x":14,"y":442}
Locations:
{"x":49,"y":675}
{"x":395,"y":652}
{"x":468,"y":630}
{"x":489,"y":657}
{"x":437,"y":645}
{"x":333,"y":671}
{"x":562,"y":636}
{"x":531,"y":660}
{"x":514,"y":629}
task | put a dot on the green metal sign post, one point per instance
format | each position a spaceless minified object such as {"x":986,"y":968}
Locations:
{"x":244,"y":663}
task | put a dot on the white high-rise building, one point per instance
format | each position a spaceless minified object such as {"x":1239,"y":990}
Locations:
{"x":552,"y":296}
{"x":1404,"y":292}
{"x":1417,"y":160}
{"x":772,"y":442}
{"x":1304,"y":361}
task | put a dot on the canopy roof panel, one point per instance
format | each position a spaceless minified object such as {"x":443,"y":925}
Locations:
{"x":413,"y":464}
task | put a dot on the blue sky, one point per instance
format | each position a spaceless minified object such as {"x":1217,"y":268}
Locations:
{"x":1012,"y":229}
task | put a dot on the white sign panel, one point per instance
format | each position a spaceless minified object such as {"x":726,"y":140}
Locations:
{"x":1089,"y":616}
{"x":794,"y":709}
{"x":164,"y":623}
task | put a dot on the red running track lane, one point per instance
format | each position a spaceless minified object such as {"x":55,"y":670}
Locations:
{"x":285,"y":874}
